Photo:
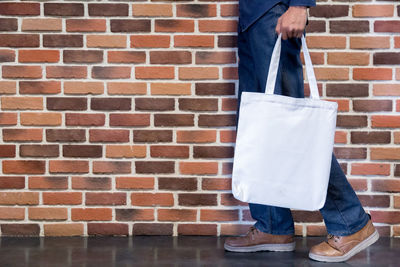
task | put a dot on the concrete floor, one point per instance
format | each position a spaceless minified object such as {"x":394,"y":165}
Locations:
{"x":171,"y":251}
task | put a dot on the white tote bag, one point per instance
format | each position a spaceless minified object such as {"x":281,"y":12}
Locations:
{"x":284,"y":144}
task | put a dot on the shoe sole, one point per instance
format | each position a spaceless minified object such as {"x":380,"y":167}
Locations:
{"x":262,"y":247}
{"x":363,"y":245}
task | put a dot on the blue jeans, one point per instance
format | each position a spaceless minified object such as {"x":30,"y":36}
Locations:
{"x":343,"y":213}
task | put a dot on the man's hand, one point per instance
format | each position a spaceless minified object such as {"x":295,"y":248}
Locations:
{"x":292,"y":22}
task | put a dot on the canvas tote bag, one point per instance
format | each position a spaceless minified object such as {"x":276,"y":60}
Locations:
{"x":284,"y":145}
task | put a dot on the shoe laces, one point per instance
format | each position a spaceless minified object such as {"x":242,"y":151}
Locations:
{"x":252,"y":231}
{"x":334,"y":237}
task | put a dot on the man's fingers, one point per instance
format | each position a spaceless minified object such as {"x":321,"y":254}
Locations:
{"x":278,"y":26}
{"x":284,"y":34}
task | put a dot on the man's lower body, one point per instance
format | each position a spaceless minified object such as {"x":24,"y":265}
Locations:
{"x":343,"y":213}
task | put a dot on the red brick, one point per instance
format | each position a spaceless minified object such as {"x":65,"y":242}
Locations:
{"x":198,"y":167}
{"x":170,"y":57}
{"x":199,"y":199}
{"x":62,"y":198}
{"x":106,"y":41}
{"x":68,"y":166}
{"x":197,"y":229}
{"x":329,"y":11}
{"x":152,"y":135}
{"x":391,"y":217}
{"x":91,"y":214}
{"x":20,"y":229}
{"x":372,"y":10}
{"x":19,"y":198}
{"x":19,"y":40}
{"x":12,"y":182}
{"x":184,"y":184}
{"x":215,"y":57}
{"x":170,"y":88}
{"x":174,"y":119}
{"x":196,"y":10}
{"x":385,"y":121}
{"x":194,"y":41}
{"x":39,"y":87}
{"x":26,"y":134}
{"x":41,"y":24}
{"x":152,"y":103}
{"x":134,"y":183}
{"x":126,"y":57}
{"x":99,"y":72}
{"x":69,"y":135}
{"x":39,"y":213}
{"x":372,"y":74}
{"x":9,"y":24}
{"x":21,"y":9}
{"x":217,"y":26}
{"x":370,"y":169}
{"x":32,"y":72}
{"x":150,"y":41}
{"x":108,"y":229}
{"x":77,"y":72}
{"x":129,"y":119}
{"x":82,"y":119}
{"x":60,"y":229}
{"x":125,"y":151}
{"x":15,"y":102}
{"x":154,"y":72}
{"x":177,"y":215}
{"x":229,"y":10}
{"x":372,"y":42}
{"x":105,"y":199}
{"x":8,"y":87}
{"x":387,"y":26}
{"x":134,"y":214}
{"x":219,"y":215}
{"x":152,"y":10}
{"x":174,"y":25}
{"x":62,"y":40}
{"x":82,"y":56}
{"x":126,"y":88}
{"x":11,"y":213}
{"x":111,"y":167}
{"x":83,"y":88}
{"x":387,"y":153}
{"x":85,"y":25}
{"x":24,"y":166}
{"x":152,"y":199}
{"x":168,"y":151}
{"x":112,"y":103}
{"x":198,"y":73}
{"x":91,"y":183}
{"x":38,"y":150}
{"x":152,"y":229}
{"x":7,"y":151}
{"x":196,"y":136}
{"x":154,"y":166}
{"x":87,"y":151}
{"x":64,"y":9}
{"x":216,"y":184}
{"x":43,"y":55}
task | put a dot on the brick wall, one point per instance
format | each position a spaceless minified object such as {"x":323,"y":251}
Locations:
{"x":118,"y":117}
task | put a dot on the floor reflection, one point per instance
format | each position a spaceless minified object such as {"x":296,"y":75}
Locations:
{"x":171,"y":251}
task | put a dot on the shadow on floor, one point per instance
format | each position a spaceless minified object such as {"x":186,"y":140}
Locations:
{"x":171,"y":251}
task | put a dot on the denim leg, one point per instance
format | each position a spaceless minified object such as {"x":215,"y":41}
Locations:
{"x":343,"y":213}
{"x":255,"y":47}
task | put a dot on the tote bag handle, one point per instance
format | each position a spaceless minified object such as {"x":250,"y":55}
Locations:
{"x":274,"y":64}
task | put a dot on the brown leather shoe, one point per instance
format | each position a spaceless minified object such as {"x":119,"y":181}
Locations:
{"x":342,"y":248}
{"x":255,"y":240}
